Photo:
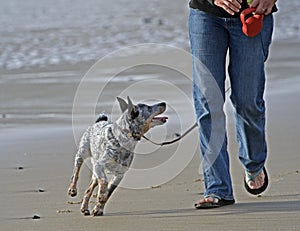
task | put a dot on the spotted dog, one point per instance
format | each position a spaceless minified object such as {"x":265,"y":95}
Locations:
{"x":111,"y":148}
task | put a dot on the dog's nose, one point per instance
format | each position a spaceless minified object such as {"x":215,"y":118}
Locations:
{"x":162,"y":104}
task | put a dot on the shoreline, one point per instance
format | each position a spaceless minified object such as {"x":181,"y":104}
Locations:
{"x":84,"y":66}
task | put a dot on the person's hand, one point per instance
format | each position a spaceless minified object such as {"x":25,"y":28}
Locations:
{"x":263,"y":6}
{"x":231,"y":6}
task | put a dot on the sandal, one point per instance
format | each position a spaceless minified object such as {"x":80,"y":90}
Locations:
{"x":249,"y":178}
{"x":216,"y":203}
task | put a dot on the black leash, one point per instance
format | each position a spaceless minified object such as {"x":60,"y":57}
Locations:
{"x":175,"y":140}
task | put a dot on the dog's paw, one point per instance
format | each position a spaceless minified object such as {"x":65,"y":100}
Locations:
{"x":98,"y":210}
{"x":85,"y":212}
{"x":72,"y":192}
{"x":97,"y":213}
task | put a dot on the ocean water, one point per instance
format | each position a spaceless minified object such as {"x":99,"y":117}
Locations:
{"x":37,"y":33}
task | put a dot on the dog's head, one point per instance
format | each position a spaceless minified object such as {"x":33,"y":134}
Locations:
{"x":141,"y":117}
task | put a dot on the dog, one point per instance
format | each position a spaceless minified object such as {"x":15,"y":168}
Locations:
{"x":111,"y":148}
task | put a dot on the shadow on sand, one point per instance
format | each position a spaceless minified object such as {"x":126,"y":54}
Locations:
{"x":238,"y":208}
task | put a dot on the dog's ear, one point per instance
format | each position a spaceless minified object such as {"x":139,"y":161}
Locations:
{"x":130,"y":104}
{"x":123,"y":104}
{"x":132,"y":110}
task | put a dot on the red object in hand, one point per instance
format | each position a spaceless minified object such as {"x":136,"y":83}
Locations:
{"x":252,"y":23}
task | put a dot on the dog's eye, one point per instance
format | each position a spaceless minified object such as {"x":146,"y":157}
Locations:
{"x":134,"y":114}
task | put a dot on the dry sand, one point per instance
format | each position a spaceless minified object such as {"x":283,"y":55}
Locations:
{"x":37,"y":149}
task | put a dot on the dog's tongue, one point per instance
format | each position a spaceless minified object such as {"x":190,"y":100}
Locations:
{"x":161,"y":118}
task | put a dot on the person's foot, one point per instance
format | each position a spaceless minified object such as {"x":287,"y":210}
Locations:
{"x":208,"y":200}
{"x":257,"y":182}
{"x":212,"y":201}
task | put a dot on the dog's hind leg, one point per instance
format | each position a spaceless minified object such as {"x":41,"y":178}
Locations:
{"x":82,"y":153}
{"x":72,"y":191}
{"x":87,"y":195}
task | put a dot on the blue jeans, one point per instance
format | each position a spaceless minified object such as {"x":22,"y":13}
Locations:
{"x":210,"y":38}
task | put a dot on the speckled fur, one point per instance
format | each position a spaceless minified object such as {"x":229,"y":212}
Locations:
{"x":111,"y":148}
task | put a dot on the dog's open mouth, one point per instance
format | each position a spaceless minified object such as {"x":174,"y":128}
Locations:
{"x":155,"y":119}
{"x":159,"y":119}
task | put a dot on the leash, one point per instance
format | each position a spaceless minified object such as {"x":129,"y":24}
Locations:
{"x":180,"y":137}
{"x":175,"y":140}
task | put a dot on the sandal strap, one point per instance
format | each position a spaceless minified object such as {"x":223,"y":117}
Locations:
{"x":213,"y":196}
{"x":251,"y":177}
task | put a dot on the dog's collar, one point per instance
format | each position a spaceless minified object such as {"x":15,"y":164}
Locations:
{"x":127,"y":133}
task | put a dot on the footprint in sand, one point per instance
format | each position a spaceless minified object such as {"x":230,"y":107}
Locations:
{"x":36,"y":217}
{"x":281,"y":176}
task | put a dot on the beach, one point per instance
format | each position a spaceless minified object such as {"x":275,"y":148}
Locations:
{"x":38,"y":146}
{"x":45,"y":106}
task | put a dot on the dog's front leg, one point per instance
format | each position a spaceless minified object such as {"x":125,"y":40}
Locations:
{"x":113,"y":184}
{"x":101,"y":197}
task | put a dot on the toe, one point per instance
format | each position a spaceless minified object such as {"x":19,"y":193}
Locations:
{"x":206,"y":200}
{"x":209,"y":199}
{"x":257,"y":182}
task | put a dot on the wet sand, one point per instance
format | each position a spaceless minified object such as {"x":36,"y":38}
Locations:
{"x":38,"y":145}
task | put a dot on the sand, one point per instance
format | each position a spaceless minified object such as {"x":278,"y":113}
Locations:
{"x":38,"y":145}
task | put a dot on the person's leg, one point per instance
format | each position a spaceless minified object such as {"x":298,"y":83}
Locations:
{"x":209,"y":44}
{"x":247,"y":77}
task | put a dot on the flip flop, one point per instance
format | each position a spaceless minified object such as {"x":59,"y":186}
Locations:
{"x":216,"y":203}
{"x":252,"y":23}
{"x":249,"y":178}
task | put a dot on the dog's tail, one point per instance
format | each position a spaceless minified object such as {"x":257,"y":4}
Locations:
{"x":102,"y":117}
